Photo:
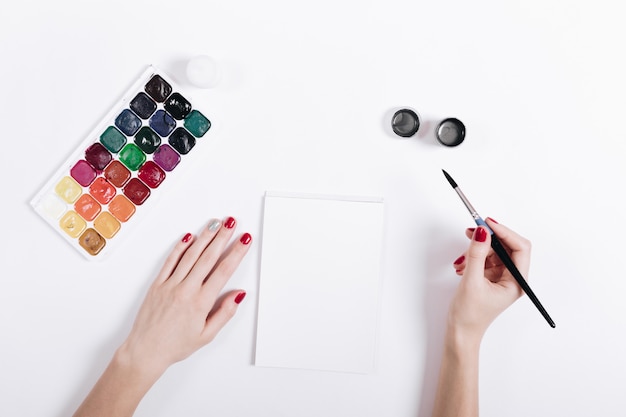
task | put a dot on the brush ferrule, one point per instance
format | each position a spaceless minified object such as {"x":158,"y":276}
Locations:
{"x":468,"y":205}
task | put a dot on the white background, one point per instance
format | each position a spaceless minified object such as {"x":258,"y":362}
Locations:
{"x":304,"y":106}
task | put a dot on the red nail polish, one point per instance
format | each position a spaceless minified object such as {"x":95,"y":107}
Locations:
{"x":493,"y":220}
{"x":246,"y":238}
{"x":230,"y":223}
{"x":460,"y":260}
{"x":240,"y":297}
{"x":187,"y":238}
{"x":480,"y":235}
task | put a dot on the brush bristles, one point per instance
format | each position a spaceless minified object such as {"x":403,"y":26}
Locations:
{"x":449,"y":178}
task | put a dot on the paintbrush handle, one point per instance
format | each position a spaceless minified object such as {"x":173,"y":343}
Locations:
{"x":500,"y":250}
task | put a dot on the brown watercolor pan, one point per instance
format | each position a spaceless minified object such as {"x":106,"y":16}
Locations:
{"x":120,"y":167}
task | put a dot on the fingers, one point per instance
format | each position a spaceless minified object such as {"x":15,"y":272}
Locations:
{"x":210,"y":255}
{"x":509,"y":238}
{"x":518,"y":246}
{"x":477,"y":253}
{"x":205,"y":266}
{"x":195,"y":251}
{"x":173,"y":259}
{"x":459,"y":264}
{"x":225,"y":268}
{"x":221,"y":314}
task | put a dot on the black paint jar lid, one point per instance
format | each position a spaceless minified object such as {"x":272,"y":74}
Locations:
{"x":450,"y":132}
{"x":405,"y":123}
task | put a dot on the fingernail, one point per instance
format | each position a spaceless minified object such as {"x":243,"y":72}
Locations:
{"x":214,"y":225}
{"x":246,"y":238}
{"x":230,"y":223}
{"x":187,"y":238}
{"x":240,"y":297}
{"x":471,"y":229}
{"x":480,"y":235}
{"x":460,"y":260}
{"x":493,"y":220}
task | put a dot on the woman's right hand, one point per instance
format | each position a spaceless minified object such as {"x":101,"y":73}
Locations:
{"x":487,"y":288}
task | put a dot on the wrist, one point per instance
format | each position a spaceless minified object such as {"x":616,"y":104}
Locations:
{"x":136,"y":366}
{"x":462,"y":341}
{"x":120,"y":388}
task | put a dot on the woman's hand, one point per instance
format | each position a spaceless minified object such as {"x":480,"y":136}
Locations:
{"x":486,"y":290}
{"x":487,"y":287}
{"x":182,"y":312}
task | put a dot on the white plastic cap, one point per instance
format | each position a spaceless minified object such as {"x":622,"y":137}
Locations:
{"x":203,"y":71}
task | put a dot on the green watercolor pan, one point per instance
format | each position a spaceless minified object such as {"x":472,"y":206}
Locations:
{"x":121,"y":167}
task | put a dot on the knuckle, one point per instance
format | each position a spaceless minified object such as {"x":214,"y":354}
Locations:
{"x":477,"y":251}
{"x":230,"y":264}
{"x":228,"y":269}
{"x":526,"y":244}
{"x":209,"y":337}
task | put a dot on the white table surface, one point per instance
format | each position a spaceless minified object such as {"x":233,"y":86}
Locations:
{"x":304,"y":106}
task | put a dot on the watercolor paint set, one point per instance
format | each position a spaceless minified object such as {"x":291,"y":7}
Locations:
{"x":122,"y":165}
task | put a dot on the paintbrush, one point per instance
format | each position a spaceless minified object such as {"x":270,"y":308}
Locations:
{"x":499,"y":249}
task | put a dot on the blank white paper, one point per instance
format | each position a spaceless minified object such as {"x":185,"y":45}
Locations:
{"x":319,"y":282}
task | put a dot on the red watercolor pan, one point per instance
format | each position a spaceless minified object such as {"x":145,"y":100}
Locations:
{"x":123,"y":165}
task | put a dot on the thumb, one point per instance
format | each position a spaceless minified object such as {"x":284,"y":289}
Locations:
{"x":222,"y":313}
{"x":477,"y":253}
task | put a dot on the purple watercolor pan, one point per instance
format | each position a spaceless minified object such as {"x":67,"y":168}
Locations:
{"x":119,"y":168}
